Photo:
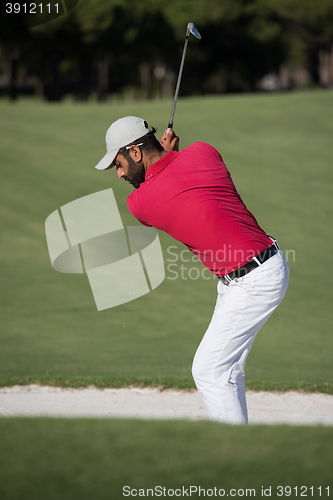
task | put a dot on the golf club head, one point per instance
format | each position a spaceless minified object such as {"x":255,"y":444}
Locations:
{"x":192,"y":29}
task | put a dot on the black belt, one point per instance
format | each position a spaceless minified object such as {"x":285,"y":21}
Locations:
{"x":252,"y":264}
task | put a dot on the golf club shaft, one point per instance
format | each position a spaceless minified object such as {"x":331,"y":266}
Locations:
{"x":178,"y":82}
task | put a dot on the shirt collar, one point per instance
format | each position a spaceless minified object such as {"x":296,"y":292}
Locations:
{"x":160,"y":164}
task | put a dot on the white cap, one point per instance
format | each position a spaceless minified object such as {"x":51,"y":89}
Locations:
{"x":122,"y":133}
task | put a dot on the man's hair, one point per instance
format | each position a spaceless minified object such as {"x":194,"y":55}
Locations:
{"x":148,"y":144}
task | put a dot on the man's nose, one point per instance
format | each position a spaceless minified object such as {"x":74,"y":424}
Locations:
{"x":120,"y":172}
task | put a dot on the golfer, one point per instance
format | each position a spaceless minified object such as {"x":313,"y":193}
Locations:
{"x":190,"y":195}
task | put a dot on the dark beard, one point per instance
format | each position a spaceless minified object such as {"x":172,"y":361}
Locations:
{"x":136,"y":173}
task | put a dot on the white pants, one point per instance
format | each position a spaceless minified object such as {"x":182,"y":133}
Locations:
{"x":241,"y":309}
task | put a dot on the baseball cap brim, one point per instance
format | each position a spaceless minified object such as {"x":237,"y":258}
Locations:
{"x":107,"y":160}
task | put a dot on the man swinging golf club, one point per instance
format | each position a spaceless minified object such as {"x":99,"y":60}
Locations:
{"x":190,"y":195}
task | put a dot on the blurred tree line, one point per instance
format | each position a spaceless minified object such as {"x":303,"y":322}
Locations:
{"x":132,"y":48}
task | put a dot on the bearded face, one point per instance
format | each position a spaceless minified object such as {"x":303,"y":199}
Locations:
{"x":135,"y":173}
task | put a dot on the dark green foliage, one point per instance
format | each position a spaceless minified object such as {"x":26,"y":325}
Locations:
{"x":127,"y":47}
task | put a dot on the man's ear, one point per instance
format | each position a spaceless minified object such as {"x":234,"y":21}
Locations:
{"x":136,"y":154}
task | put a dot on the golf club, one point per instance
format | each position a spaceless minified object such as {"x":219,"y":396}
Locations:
{"x":190,"y":29}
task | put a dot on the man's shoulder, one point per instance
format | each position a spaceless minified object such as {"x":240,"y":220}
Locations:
{"x":202,"y":148}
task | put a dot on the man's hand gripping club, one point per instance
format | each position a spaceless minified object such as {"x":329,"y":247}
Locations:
{"x":170,"y":141}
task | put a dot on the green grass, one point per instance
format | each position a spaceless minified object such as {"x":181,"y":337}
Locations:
{"x":86,"y":459}
{"x":278,"y":149}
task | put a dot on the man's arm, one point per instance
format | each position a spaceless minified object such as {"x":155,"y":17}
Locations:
{"x":170,"y":141}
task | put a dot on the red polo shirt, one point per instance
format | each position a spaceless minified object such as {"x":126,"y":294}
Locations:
{"x":190,"y":195}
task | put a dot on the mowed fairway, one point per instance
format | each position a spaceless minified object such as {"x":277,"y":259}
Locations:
{"x":87,"y":459}
{"x":278,"y":149}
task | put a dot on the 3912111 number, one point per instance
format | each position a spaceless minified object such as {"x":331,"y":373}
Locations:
{"x":302,"y":491}
{"x":31,"y":8}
